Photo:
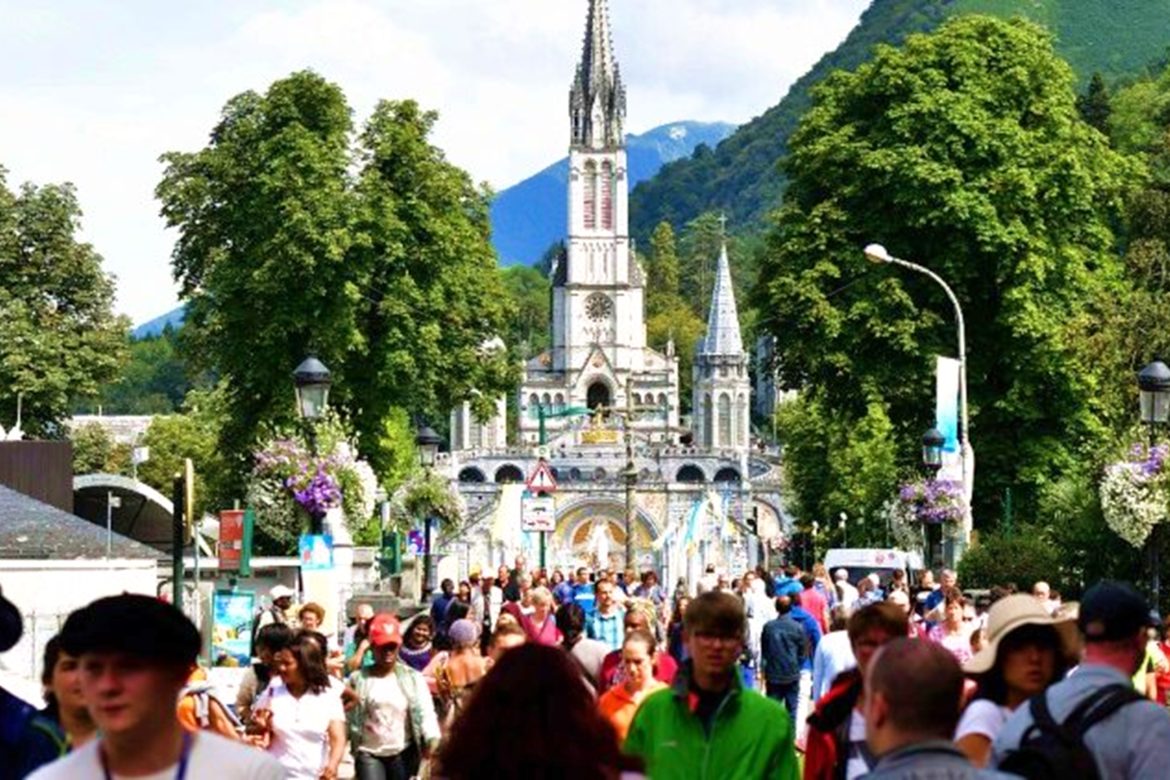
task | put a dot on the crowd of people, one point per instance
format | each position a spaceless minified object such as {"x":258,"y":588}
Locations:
{"x":531,"y":674}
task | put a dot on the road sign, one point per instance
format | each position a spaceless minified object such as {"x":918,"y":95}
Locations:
{"x":541,"y":480}
{"x":538,"y":513}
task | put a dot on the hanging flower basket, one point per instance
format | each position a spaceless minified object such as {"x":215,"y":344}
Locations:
{"x":933,"y":501}
{"x":289,"y":483}
{"x":1134,"y":493}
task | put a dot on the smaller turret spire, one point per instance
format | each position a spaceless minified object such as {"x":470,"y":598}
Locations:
{"x":723,"y":337}
{"x":597,"y":99}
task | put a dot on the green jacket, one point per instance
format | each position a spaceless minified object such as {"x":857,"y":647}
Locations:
{"x":751,"y":736}
{"x":424,"y":723}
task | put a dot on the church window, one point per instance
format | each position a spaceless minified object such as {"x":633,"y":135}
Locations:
{"x":607,"y":188}
{"x":475,"y":437}
{"x":725,"y":421}
{"x":547,"y":401}
{"x":590,"y":204}
{"x":559,"y":402}
{"x":534,"y":406}
{"x":708,"y":422}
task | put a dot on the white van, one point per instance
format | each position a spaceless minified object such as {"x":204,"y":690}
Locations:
{"x":861,"y":562}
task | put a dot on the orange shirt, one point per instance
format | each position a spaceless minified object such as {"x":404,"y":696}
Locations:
{"x":618,"y":707}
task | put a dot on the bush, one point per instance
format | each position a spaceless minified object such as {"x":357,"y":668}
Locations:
{"x":1021,"y":558}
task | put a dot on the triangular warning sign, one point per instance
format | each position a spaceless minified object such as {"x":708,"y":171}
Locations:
{"x":541,"y":480}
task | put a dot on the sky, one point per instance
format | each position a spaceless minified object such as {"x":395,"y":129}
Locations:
{"x":93,"y":93}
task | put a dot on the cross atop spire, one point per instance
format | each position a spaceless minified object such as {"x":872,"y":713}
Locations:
{"x":723,"y":337}
{"x":597,"y":99}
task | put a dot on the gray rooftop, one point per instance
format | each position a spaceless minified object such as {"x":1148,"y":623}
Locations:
{"x":723,"y":336}
{"x":33,"y":530}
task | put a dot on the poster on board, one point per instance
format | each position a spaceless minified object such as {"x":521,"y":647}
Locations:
{"x":231,"y":629}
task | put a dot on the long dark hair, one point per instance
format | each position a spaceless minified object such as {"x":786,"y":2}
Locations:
{"x":52,"y":655}
{"x":991,"y":684}
{"x":310,"y":658}
{"x":530,"y":687}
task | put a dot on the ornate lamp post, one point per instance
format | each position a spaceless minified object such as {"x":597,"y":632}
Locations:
{"x":427,"y":442}
{"x":1154,"y":390}
{"x":932,"y":448}
{"x":311,"y":380}
{"x":876,"y":253}
{"x":630,"y":476}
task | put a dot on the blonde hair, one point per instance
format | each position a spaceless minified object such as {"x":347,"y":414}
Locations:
{"x":540,"y":595}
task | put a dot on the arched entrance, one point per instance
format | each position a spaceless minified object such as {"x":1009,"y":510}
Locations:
{"x":597,"y":395}
{"x":592,"y":532}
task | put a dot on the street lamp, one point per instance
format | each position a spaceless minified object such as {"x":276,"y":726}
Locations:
{"x":932,"y":450}
{"x":1154,"y":387}
{"x":311,"y":380}
{"x":876,"y":253}
{"x":427,"y":442}
{"x":630,"y":475}
{"x":843,"y":525}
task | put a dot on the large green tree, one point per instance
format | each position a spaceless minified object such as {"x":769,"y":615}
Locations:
{"x":530,"y":297}
{"x":962,"y":150}
{"x":59,"y":339}
{"x":153,"y":381}
{"x":373,"y":253}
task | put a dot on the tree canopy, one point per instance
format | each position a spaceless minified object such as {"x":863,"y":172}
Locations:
{"x":372,"y":252}
{"x":964,"y":151}
{"x":59,"y":338}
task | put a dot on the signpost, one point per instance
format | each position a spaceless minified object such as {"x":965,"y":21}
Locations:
{"x":538,"y":511}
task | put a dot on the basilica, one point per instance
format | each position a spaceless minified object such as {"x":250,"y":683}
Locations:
{"x":600,"y":408}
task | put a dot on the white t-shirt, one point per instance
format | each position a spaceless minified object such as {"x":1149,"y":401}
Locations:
{"x":211,"y":756}
{"x":983,"y":717}
{"x":387,"y":725}
{"x":300,"y":727}
{"x":856,"y":765}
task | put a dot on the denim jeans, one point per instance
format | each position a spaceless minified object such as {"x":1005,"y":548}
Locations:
{"x":402,"y":766}
{"x":789,"y":694}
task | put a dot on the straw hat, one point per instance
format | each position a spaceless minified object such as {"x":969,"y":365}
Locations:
{"x":1016,"y":611}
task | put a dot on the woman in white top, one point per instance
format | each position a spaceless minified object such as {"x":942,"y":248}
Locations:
{"x":300,"y":713}
{"x":1026,"y":651}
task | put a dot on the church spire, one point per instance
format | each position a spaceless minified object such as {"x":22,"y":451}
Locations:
{"x":723,"y":336}
{"x":597,"y":99}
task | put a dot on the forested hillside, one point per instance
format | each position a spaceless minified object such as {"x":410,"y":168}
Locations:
{"x":1118,"y":38}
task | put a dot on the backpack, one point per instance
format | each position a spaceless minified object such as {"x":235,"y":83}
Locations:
{"x":1056,"y":751}
{"x":207,"y":712}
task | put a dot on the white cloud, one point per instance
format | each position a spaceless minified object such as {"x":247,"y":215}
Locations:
{"x":105,"y":89}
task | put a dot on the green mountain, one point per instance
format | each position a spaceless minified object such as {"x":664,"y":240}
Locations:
{"x":1118,"y":38}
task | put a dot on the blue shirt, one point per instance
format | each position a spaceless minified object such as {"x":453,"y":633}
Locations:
{"x":812,"y":630}
{"x":786,"y":586}
{"x":608,"y":629}
{"x":584,"y":596}
{"x":563,"y":592}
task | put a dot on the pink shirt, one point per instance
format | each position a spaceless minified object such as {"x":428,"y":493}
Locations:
{"x":544,"y":634}
{"x":816,"y":605}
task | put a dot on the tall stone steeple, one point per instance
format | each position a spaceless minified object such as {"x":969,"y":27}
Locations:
{"x":721,"y":384}
{"x":597,"y":99}
{"x":723,"y":337}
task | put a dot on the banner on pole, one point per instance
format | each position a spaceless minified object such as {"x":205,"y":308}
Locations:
{"x":947,"y":415}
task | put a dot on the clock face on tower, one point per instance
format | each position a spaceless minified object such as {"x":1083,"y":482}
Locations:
{"x":598,"y":307}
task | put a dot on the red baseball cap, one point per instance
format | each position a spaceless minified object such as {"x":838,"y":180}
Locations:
{"x":385,"y":630}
